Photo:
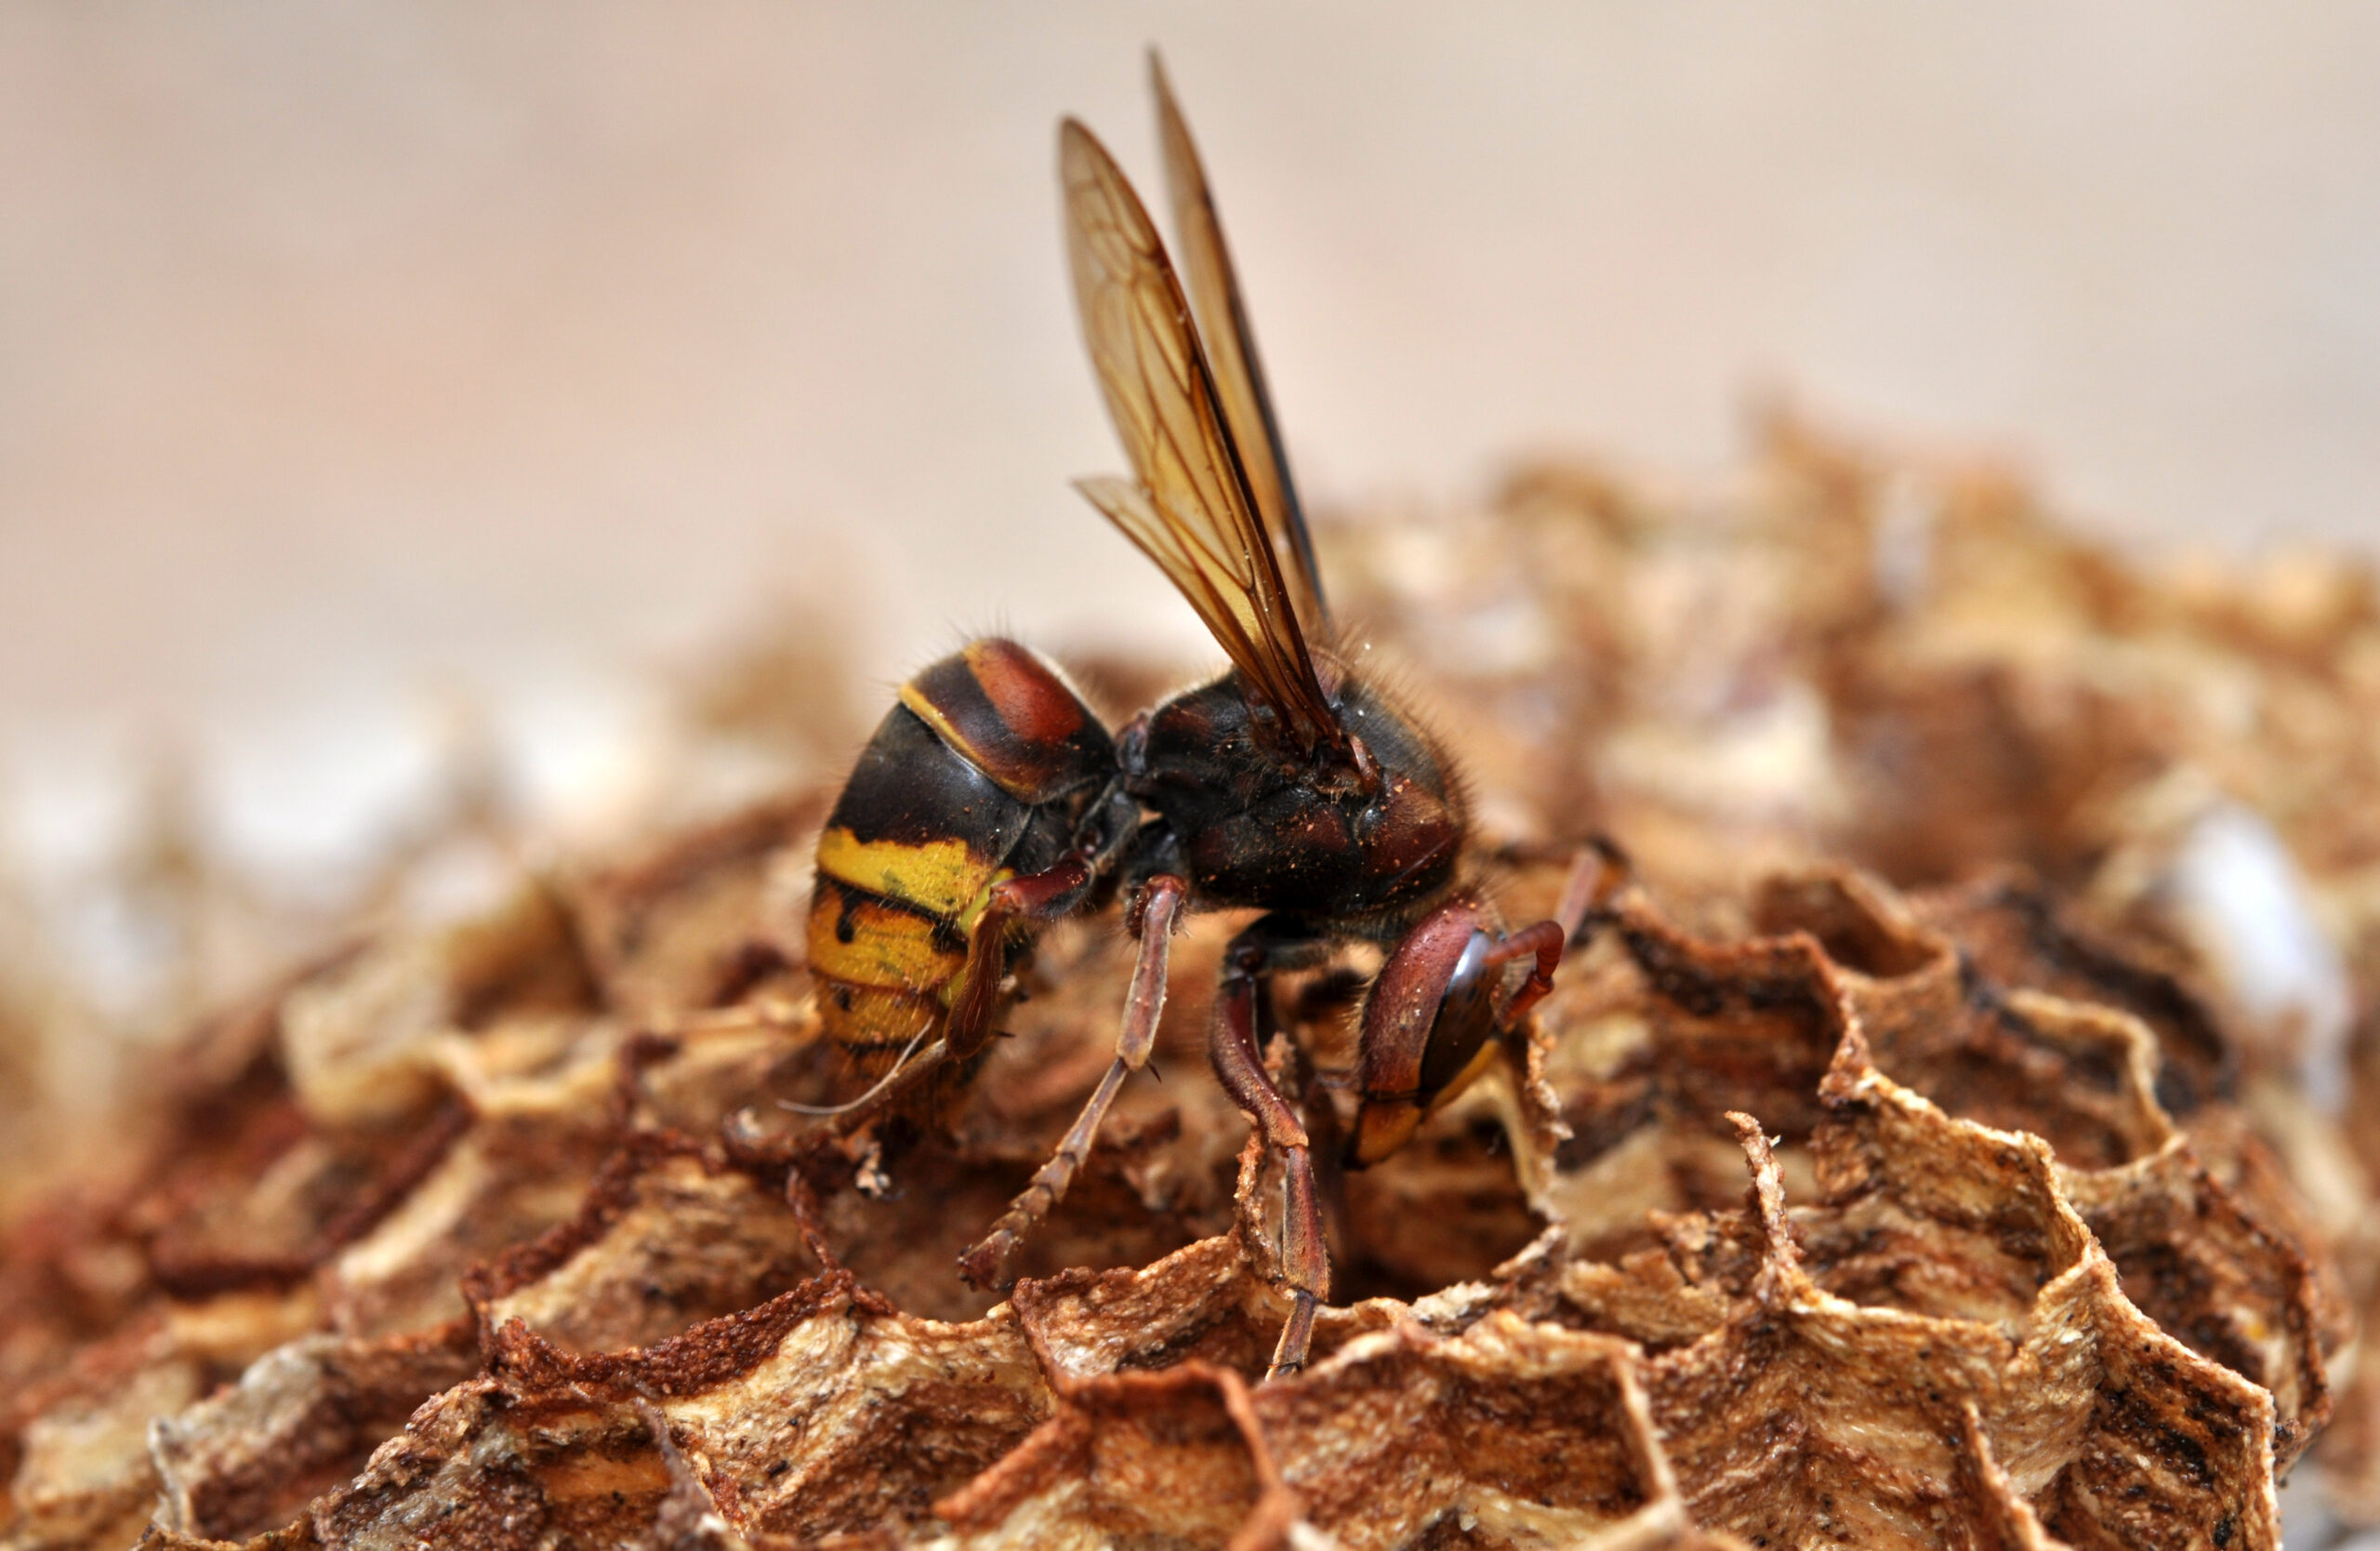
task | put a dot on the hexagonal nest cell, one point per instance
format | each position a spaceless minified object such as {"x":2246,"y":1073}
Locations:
{"x":1920,"y":1146}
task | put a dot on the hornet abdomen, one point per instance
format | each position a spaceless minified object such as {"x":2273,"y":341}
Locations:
{"x":978,"y":775}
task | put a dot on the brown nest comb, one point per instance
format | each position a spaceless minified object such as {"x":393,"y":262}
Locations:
{"x":1907,"y":1155}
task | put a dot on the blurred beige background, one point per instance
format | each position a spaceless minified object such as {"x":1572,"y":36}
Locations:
{"x":352,"y":352}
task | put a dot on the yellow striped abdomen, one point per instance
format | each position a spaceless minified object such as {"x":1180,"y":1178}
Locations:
{"x":977,"y":777}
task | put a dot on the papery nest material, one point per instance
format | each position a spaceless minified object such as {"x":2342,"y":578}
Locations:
{"x":1827,"y":1212}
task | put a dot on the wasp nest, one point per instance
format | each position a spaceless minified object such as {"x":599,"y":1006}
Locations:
{"x":1927,"y":1146}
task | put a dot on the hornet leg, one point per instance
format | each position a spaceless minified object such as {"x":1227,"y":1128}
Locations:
{"x":1057,"y":891}
{"x":1038,"y":897}
{"x":988,"y":1264}
{"x":1274,"y":943}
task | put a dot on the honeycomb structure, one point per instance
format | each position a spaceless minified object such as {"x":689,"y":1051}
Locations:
{"x":1892,"y":1165}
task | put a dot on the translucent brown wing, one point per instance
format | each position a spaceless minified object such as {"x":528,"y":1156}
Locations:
{"x":1231,"y":352}
{"x":1192,"y":512}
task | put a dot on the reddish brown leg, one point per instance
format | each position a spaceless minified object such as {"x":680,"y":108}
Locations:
{"x":1035,"y":896}
{"x":1044,"y":895}
{"x":1271,"y":944}
{"x":1599,"y":871}
{"x":1542,"y":941}
{"x":988,"y":1264}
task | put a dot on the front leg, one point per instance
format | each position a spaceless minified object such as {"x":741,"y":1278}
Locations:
{"x":1433,"y":1010}
{"x":1274,"y":943}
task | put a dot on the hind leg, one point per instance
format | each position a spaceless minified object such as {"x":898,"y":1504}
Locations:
{"x":1037,"y":899}
{"x":986,"y":1265}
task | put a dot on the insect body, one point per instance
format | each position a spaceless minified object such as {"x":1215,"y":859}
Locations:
{"x":990,"y":800}
{"x":982,"y":773}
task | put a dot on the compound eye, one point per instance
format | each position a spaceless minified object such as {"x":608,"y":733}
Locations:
{"x":1426,"y":1025}
{"x":1466,"y":1017}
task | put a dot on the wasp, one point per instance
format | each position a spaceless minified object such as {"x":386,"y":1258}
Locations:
{"x":992,"y":802}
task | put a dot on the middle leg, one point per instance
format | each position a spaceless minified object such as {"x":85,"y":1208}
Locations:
{"x":1274,"y":943}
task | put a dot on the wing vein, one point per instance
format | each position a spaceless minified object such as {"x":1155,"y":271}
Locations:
{"x":1214,"y":292}
{"x":1194,"y":510}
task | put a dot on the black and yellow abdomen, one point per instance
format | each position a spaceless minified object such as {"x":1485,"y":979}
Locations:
{"x":979,"y":774}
